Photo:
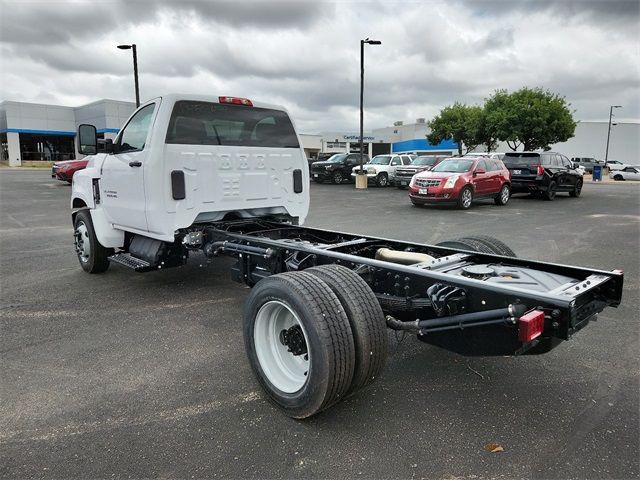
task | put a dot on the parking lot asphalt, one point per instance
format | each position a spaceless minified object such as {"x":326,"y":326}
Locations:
{"x":144,"y":375}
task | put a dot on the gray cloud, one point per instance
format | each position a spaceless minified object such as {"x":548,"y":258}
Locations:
{"x":597,"y":10}
{"x":305,"y":55}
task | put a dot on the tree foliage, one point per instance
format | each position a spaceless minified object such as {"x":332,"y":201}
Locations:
{"x":457,"y":122}
{"x":532,"y":117}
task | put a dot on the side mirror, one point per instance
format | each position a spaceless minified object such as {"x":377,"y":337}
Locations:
{"x":479,"y":171}
{"x":87,"y":139}
{"x":106,"y":146}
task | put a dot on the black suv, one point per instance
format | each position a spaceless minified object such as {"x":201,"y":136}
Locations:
{"x":544,"y":173}
{"x":337,"y":168}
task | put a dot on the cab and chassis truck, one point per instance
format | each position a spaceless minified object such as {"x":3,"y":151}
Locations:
{"x":225,"y":176}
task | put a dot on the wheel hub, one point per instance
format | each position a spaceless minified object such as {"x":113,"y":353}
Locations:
{"x":81,"y":242}
{"x":293,"y":339}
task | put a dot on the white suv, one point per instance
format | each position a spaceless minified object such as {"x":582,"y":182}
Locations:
{"x":382,"y":168}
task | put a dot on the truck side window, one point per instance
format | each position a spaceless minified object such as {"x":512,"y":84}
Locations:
{"x":135,"y":132}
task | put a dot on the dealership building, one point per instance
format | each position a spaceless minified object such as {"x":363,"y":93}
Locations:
{"x":34,"y":133}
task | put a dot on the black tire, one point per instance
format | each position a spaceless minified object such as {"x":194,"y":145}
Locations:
{"x":417,"y":205}
{"x":328,"y":339}
{"x":368,"y":324}
{"x":462,"y":201}
{"x":618,"y":177}
{"x":96,"y":260}
{"x":503,"y":197}
{"x":497,"y":247}
{"x":337,"y":177}
{"x":466,"y":243}
{"x":577,"y":190}
{"x":382,"y":180}
{"x":550,"y":193}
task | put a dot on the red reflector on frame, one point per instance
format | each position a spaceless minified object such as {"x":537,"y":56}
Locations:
{"x":530,"y":325}
{"x":236,"y":101}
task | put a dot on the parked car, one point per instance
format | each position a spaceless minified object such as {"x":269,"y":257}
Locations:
{"x":337,"y":168}
{"x":382,"y":168}
{"x":579,"y":168}
{"x":627,"y":173}
{"x":64,"y":170}
{"x":543,"y":173}
{"x":461,"y":181}
{"x":419,"y":164}
{"x":587,"y":162}
{"x":616,"y":165}
{"x":498,"y":155}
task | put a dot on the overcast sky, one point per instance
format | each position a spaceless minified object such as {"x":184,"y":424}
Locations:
{"x":305,"y":55}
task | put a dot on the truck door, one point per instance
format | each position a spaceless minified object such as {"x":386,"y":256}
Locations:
{"x":122,"y":180}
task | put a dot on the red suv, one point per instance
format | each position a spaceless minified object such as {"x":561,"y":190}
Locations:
{"x":460,"y":181}
{"x":64,"y":170}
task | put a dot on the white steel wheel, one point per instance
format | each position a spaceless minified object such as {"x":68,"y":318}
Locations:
{"x":281,"y":346}
{"x":93,"y":257}
{"x":293,"y":324}
{"x":82,"y":242}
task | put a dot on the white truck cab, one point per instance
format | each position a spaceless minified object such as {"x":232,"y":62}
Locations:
{"x":184,"y":159}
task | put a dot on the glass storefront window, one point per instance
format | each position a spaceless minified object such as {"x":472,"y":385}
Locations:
{"x":47,"y":147}
{"x":4,"y":147}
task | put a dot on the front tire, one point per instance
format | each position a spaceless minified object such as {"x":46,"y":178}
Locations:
{"x":299,"y":343}
{"x":618,"y":177}
{"x":466,"y":198}
{"x":337,"y":177}
{"x":503,"y":195}
{"x":382,"y":180}
{"x":93,"y":257}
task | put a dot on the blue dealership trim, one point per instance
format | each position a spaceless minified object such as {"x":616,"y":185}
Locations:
{"x":420,"y":144}
{"x":38,"y":132}
{"x":108,"y":130}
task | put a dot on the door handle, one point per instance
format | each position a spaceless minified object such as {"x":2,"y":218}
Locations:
{"x":135,"y":163}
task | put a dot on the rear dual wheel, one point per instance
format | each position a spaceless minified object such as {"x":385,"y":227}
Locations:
{"x":313,"y":337}
{"x":480,"y":243}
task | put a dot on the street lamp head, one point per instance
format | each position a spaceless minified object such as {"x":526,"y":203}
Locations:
{"x":373,"y":42}
{"x":616,"y":106}
{"x":124,"y":47}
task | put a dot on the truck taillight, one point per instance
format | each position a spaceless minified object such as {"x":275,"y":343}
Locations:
{"x":530,"y":326}
{"x":236,"y":101}
{"x":540,"y":170}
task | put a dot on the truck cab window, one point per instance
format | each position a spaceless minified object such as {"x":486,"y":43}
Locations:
{"x":134,"y":135}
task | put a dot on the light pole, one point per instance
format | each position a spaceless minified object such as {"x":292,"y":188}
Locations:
{"x":606,"y":152}
{"x":135,"y":68}
{"x":362,"y":43}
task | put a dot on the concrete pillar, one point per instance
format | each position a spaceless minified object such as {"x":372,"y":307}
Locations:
{"x":13,"y":142}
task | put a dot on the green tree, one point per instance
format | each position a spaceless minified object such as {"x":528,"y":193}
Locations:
{"x":486,"y":132}
{"x":532,"y":117}
{"x":457,"y":122}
